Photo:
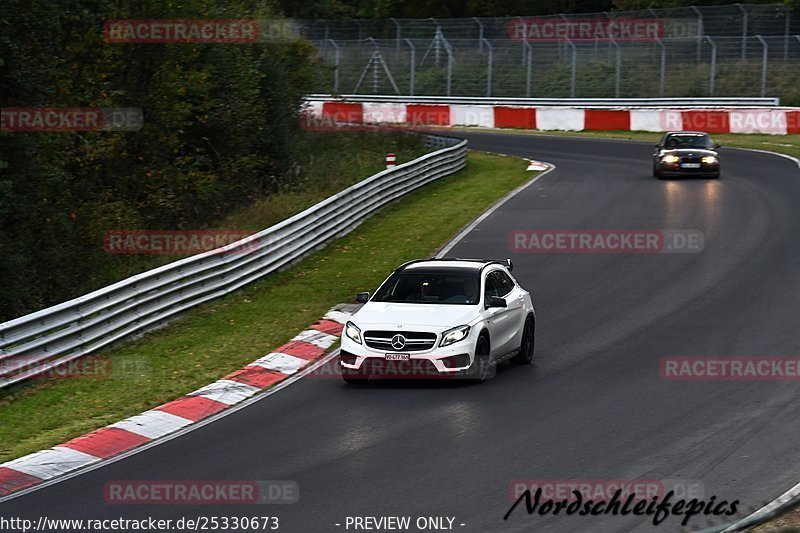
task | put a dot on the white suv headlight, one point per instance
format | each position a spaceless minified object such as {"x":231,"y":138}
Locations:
{"x":454,"y":335}
{"x":352,"y":332}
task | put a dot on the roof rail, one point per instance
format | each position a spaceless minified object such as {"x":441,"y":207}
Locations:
{"x":505,"y":262}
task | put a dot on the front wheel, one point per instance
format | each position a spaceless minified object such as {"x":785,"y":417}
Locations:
{"x":525,"y":355}
{"x":481,"y":369}
{"x":656,"y":172}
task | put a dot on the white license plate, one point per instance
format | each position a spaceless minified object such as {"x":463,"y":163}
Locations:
{"x":690,"y":165}
{"x":397,"y":357}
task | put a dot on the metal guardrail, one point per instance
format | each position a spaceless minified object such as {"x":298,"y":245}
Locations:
{"x":555,"y":102}
{"x":35,"y":343}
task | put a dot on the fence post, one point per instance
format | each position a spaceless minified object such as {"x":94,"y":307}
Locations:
{"x":574,"y":66}
{"x":411,"y":67}
{"x":336,"y":65}
{"x":764,"y":60}
{"x":618,"y":67}
{"x":608,"y":46}
{"x":663,"y":71}
{"x":489,"y":68}
{"x":397,"y":37}
{"x":480,"y":33}
{"x":700,"y":30}
{"x":449,"y":70}
{"x":437,"y":41}
{"x":786,"y":31}
{"x":529,"y":65}
{"x":713,"y":67}
{"x":744,"y":29}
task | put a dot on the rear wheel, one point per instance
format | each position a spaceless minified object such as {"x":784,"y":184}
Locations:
{"x":525,"y":355}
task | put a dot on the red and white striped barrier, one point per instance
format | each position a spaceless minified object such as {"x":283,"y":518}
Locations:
{"x":165,"y":419}
{"x":773,"y":120}
{"x":391,"y":160}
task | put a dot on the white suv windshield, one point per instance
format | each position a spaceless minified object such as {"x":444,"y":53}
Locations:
{"x":431,"y":287}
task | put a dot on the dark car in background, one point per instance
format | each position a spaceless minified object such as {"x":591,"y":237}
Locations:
{"x":686,"y":153}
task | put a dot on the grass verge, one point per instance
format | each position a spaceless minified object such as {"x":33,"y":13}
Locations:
{"x":784,"y":144}
{"x":222,"y":336}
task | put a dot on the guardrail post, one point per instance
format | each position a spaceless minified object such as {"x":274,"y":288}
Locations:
{"x":764,"y":60}
{"x":713,"y":67}
{"x":489,"y":68}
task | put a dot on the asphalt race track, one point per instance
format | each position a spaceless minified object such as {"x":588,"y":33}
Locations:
{"x":593,"y":406}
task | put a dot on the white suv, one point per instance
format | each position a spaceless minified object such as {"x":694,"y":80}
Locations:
{"x":440,"y":318}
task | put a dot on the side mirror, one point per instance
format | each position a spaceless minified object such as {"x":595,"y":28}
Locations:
{"x":362,"y":297}
{"x":510,"y":265}
{"x":716,"y":146}
{"x":496,"y":301}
